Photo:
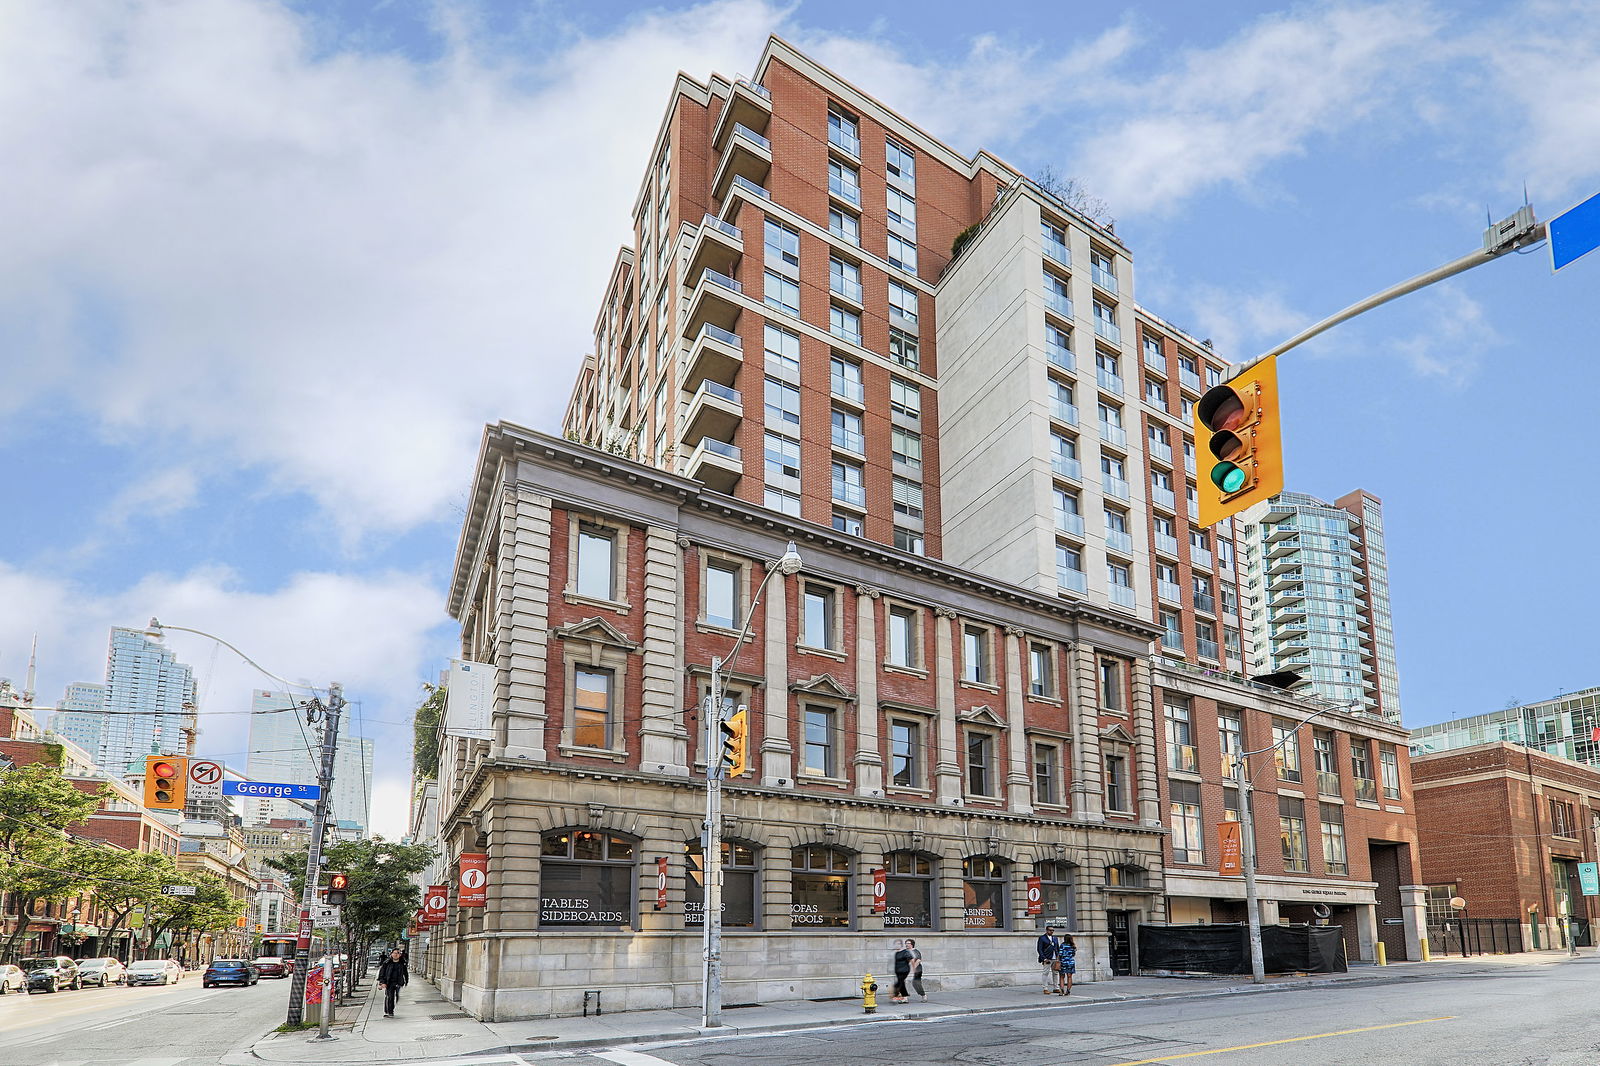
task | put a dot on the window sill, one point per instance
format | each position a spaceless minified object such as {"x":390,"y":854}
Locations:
{"x":973,"y":797}
{"x":981,"y":685}
{"x":592,"y":753}
{"x":826,"y":653}
{"x":719,"y":630}
{"x":618,"y":606}
{"x":1186,"y":775}
{"x":803,"y":778}
{"x":908,"y":790}
{"x":909,"y":671}
{"x":1054,"y":701}
{"x":1371,"y":805}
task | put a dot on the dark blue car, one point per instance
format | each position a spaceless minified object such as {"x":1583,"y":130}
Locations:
{"x":229,"y":972}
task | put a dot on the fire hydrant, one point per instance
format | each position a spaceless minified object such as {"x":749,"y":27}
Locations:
{"x":869,"y":995}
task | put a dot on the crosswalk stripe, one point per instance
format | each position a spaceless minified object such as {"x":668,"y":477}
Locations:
{"x":631,"y":1058}
{"x":156,"y":1062}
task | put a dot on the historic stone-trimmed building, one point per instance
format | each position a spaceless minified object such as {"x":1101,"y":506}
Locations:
{"x":961,"y":735}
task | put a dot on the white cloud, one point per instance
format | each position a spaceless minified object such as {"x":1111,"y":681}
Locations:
{"x":1242,"y":325}
{"x":1224,"y":113}
{"x":1449,"y":344}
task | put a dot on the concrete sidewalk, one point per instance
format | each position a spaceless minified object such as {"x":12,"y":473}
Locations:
{"x":427,"y":1026}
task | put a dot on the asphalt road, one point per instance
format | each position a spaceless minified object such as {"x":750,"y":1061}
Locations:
{"x":1543,"y":1016}
{"x":151,"y":1025}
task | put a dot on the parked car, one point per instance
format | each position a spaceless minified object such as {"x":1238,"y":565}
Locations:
{"x":229,"y":972}
{"x":12,"y":979}
{"x":51,"y":973}
{"x":102,"y":971}
{"x":272,"y":966}
{"x":154,"y":972}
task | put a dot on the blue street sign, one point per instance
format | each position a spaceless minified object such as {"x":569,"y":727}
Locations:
{"x":1575,"y":232}
{"x":1589,"y":878}
{"x":268,"y":790}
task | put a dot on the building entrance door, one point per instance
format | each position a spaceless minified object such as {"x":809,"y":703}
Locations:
{"x":1387,"y":861}
{"x":1121,"y":923}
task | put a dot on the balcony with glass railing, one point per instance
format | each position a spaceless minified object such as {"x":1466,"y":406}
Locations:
{"x":1072,"y":580}
{"x":1115,"y":487}
{"x":1060,"y":355}
{"x":1155,"y":361}
{"x":1167,"y":544}
{"x":1113,"y":435}
{"x":848,"y":388}
{"x":713,"y":300}
{"x":842,"y":138}
{"x":844,"y":190}
{"x":1062,"y":411}
{"x":749,"y":105}
{"x":1105,"y":327}
{"x":1109,"y":382}
{"x":1205,"y":601}
{"x":751,"y":187}
{"x":1069,"y":523}
{"x":1122,"y":596}
{"x":1058,"y":304}
{"x":1057,"y":252}
{"x":1062,"y":466}
{"x":1170,"y":591}
{"x":1199,"y":557}
{"x":1103,"y":278}
{"x":1163,"y":498}
{"x":847,"y":289}
{"x":717,"y":245}
{"x":1207,"y":649}
{"x":716,"y":463}
{"x":848,"y":492}
{"x":715,"y":353}
{"x":1161,"y":450}
{"x":1119,"y":541}
{"x":714,"y":411}
{"x":746,"y":154}
{"x":1188,"y":379}
{"x":849,"y":440}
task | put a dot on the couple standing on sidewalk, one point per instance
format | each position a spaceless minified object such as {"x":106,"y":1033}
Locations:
{"x":907,"y":965}
{"x":1059,"y":957}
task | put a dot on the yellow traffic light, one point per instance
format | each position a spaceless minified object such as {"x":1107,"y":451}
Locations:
{"x":1238,"y":440}
{"x":165,"y":782}
{"x":736,"y":743}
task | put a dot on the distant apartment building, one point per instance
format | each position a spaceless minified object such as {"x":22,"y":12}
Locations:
{"x":1318,"y":581}
{"x":1562,"y":726}
{"x":829,"y":312}
{"x":285,"y":749}
{"x":148,"y":695}
{"x":81,"y":717}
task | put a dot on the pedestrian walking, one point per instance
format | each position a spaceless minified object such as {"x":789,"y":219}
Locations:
{"x":902,"y":971}
{"x":916,"y":968}
{"x":1067,"y":962}
{"x":1049,"y":947}
{"x":392,"y":976}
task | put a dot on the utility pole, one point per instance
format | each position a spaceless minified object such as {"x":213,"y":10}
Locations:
{"x":308,"y":894}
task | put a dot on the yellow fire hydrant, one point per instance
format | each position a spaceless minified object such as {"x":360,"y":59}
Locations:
{"x":869,"y":995}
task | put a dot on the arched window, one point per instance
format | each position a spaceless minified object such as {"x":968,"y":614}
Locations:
{"x":586,"y":880}
{"x":821,"y":887}
{"x":908,"y":897}
{"x":1058,"y":897}
{"x":983,"y":886}
{"x":738,"y":886}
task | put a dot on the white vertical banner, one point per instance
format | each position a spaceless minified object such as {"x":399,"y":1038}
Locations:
{"x":469,"y":700}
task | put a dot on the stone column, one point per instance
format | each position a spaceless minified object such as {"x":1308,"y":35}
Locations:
{"x":947,"y":764}
{"x":522,"y":615}
{"x":868,"y":758}
{"x":663,"y":741}
{"x":1088,"y":790}
{"x":1367,"y":932}
{"x":1414,"y":908}
{"x":1018,"y":781}
{"x":1144,"y":738}
{"x":777,"y":753}
{"x":777,"y":888}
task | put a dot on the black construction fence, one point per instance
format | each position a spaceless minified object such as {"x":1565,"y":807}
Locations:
{"x":1478,"y":936}
{"x":1225,"y":949}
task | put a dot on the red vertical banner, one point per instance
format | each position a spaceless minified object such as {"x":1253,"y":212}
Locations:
{"x":880,"y":891}
{"x":1229,"y":848}
{"x":434,"y":904}
{"x":303,"y":937}
{"x":1035,"y":896}
{"x":473,"y":880}
{"x":661,"y":883}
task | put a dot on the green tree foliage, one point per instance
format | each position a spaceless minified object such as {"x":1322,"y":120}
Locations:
{"x":425,"y":727}
{"x":210,"y":909}
{"x":39,"y":862}
{"x":382,"y":894}
{"x":125,"y":880}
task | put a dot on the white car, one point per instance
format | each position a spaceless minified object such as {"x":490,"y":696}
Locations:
{"x":102,"y":971}
{"x":154,"y":972}
{"x":12,"y":979}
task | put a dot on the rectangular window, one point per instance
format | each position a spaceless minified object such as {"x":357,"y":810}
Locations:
{"x":902,"y":253}
{"x":1361,"y":769}
{"x":1111,"y":697}
{"x":1068,"y":520}
{"x":597,"y":567}
{"x":847,"y":523}
{"x":1188,"y":836}
{"x":1172,"y":635}
{"x":819,"y":743}
{"x":1155,"y":394}
{"x":1389,"y":764}
{"x":783,"y":351}
{"x":592,"y":725}
{"x":1041,"y":671}
{"x":905,"y":399}
{"x":906,"y":449}
{"x":909,"y":540}
{"x":975,"y":655}
{"x":1116,"y":780}
{"x":902,"y":210}
{"x":1230,"y":730}
{"x":1047,"y":774}
{"x":818,"y":619}
{"x":844,"y":131}
{"x":903,"y":642}
{"x":1069,"y":569}
{"x":1563,"y":818}
{"x":844,"y":182}
{"x":905,"y":753}
{"x":847,"y":433}
{"x":844,"y":279}
{"x":980,"y":764}
{"x":1292,"y":825}
{"x":903,"y":304}
{"x":845,"y":226}
{"x":849,"y":484}
{"x":1287,"y":753}
{"x":783,"y":462}
{"x":782,"y":248}
{"x":1333,"y":847}
{"x":783,"y":502}
{"x":903,"y":349}
{"x":782,"y":293}
{"x":722,"y":595}
{"x":1181,"y":754}
{"x":844,"y":324}
{"x":900,"y":164}
{"x":907,"y":497}
{"x":846,"y":380}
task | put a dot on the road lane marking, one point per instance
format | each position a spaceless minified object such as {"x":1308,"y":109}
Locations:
{"x":1270,"y":1043}
{"x":631,"y":1058}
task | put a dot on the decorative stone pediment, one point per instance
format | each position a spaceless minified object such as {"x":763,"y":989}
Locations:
{"x":981,"y":715}
{"x":596,"y":631}
{"x":1116,"y":733}
{"x":825,"y":687}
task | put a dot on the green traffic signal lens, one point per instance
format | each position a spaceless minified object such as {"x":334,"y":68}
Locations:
{"x":1227,"y":477}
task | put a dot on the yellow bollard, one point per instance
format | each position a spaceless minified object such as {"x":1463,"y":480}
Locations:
{"x":1383,"y":955}
{"x":1425,"y":956}
{"x":869,"y":995}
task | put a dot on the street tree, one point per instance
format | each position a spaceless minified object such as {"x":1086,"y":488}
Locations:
{"x":37,"y":857}
{"x":382,"y":894}
{"x":126,"y":880}
{"x":210,"y":909}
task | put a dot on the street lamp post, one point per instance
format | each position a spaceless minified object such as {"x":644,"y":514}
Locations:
{"x":1247,"y":834}
{"x":711,"y":837}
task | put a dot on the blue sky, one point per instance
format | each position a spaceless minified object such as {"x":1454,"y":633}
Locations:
{"x":269,"y":268}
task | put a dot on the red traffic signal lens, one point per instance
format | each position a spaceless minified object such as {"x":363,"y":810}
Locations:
{"x":337,"y":881}
{"x":165,"y":769}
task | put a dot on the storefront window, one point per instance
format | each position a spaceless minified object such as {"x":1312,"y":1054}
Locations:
{"x":586,"y":881}
{"x":738,"y":886}
{"x":1058,"y":899}
{"x":909,"y":890}
{"x":983,"y":887}
{"x":821,"y":889}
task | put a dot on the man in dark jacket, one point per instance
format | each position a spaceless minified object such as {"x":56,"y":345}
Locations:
{"x":1049,"y":947}
{"x":392,"y":974}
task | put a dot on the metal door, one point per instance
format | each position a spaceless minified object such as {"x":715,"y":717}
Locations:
{"x":1121,"y":943}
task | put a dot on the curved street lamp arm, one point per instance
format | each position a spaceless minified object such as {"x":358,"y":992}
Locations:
{"x":158,"y":627}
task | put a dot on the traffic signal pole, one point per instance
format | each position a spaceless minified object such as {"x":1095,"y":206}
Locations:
{"x":1511,"y":234}
{"x":308,"y":893}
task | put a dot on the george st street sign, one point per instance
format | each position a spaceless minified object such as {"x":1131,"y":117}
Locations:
{"x":1574,"y":233}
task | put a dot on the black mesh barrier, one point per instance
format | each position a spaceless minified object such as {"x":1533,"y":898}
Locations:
{"x":1225,"y":949}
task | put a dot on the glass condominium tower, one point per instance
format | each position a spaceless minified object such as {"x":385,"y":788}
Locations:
{"x":1318,"y":578}
{"x":146,"y":692}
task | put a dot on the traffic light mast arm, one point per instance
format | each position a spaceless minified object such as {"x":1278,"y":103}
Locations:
{"x":1508,"y":235}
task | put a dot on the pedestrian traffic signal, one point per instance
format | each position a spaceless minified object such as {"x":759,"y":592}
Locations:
{"x":165,"y":778}
{"x":735,"y":743}
{"x":338,"y":884}
{"x":1238,"y":439}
